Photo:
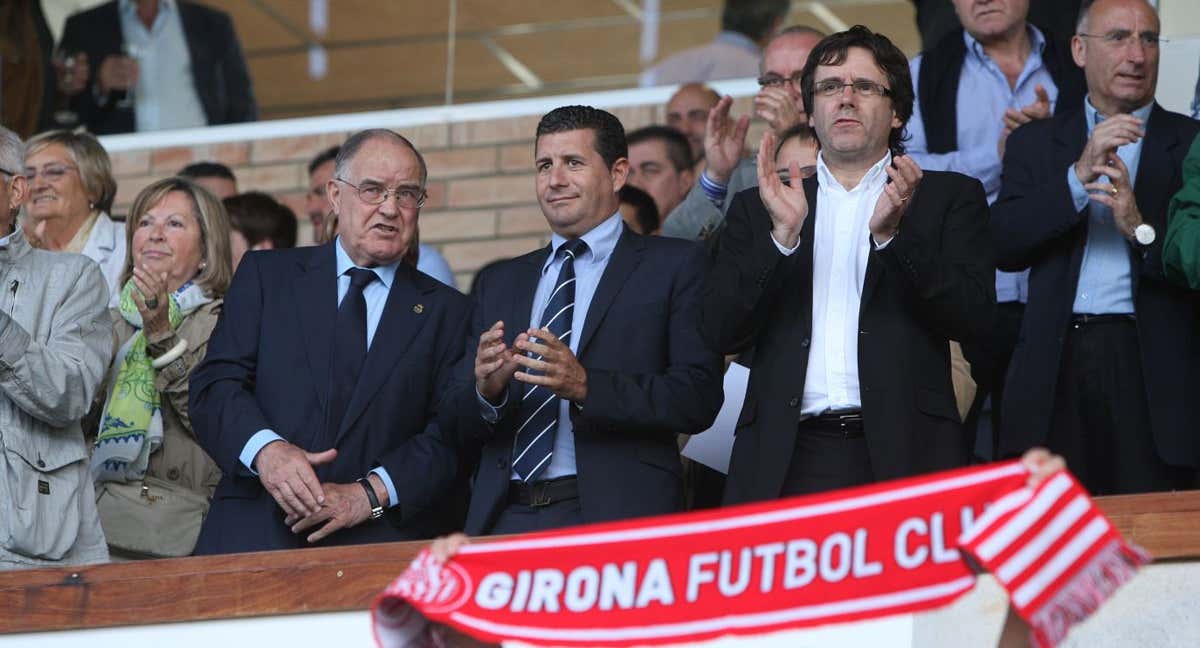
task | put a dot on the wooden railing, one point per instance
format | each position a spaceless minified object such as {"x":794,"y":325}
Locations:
{"x":349,"y":578}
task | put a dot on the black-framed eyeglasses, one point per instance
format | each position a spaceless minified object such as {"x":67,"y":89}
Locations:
{"x":861,"y":87}
{"x":374,"y":193}
{"x":11,"y":174}
{"x":776,"y":81}
{"x":51,"y":172}
{"x":1122,"y":37}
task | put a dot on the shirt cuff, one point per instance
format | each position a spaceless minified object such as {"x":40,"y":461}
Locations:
{"x":713,"y":190}
{"x":387,"y":483}
{"x":785,"y":251}
{"x":1078,"y":194}
{"x":489,"y":412}
{"x":254,"y":446}
{"x":880,"y":246}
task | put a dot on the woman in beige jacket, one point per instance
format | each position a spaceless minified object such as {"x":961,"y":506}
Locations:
{"x":54,"y":332}
{"x":153,"y":480}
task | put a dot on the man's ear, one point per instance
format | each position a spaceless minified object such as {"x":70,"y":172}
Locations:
{"x":333,"y":191}
{"x":1078,"y":49}
{"x":619,"y":173}
{"x":18,"y":191}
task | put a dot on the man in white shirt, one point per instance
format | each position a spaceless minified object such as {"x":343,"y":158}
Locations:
{"x":850,"y":285}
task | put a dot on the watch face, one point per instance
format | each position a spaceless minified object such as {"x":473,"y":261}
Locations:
{"x":1144,"y":234}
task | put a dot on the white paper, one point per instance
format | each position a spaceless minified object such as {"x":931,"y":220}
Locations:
{"x":713,"y":446}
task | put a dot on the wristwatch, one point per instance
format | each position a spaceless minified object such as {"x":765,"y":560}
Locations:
{"x":1144,"y":234}
{"x":376,"y":509}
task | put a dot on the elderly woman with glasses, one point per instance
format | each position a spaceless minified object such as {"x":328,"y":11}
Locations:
{"x":71,"y":190}
{"x":154,"y":481}
{"x":54,"y":345}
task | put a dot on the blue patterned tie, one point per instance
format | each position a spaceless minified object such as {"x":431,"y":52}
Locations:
{"x":534,"y":442}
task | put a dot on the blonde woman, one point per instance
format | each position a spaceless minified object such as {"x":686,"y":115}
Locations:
{"x":176,"y":273}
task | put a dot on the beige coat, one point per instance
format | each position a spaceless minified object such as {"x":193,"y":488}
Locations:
{"x":180,"y":459}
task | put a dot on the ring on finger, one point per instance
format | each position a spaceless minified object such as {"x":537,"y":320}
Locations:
{"x":152,"y":302}
{"x":1114,"y":191}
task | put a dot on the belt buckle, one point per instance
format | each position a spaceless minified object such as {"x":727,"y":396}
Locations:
{"x":540,"y":495}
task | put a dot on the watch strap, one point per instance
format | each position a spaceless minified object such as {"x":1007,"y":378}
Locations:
{"x":376,"y":508}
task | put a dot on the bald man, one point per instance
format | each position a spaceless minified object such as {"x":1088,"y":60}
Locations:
{"x":687,"y":112}
{"x":726,"y":171}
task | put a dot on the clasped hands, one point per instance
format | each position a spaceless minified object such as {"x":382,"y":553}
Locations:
{"x":1099,"y":159}
{"x":558,"y":370}
{"x":286,"y":472}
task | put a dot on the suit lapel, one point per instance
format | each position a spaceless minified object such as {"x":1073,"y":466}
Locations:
{"x":315,"y":296}
{"x":520,"y":307}
{"x":1156,"y":172}
{"x":1070,"y":136}
{"x":803,"y":270}
{"x":626,"y":256}
{"x":398,"y":327}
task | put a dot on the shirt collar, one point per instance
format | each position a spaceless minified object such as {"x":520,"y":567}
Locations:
{"x":130,"y":6}
{"x":738,"y":40}
{"x":1094,"y":116}
{"x":1037,"y":43}
{"x":601,"y":240}
{"x":386,"y":273}
{"x":875,"y":176}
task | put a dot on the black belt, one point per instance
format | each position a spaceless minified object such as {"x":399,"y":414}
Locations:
{"x":1083,"y":319}
{"x":849,"y":422}
{"x":543,"y":493}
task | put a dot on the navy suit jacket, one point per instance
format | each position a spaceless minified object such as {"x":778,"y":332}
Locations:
{"x":1036,"y":226}
{"x":268,"y":367}
{"x":218,"y":67}
{"x":650,"y":376}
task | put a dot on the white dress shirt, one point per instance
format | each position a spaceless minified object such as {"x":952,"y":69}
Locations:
{"x":165,"y":96}
{"x":841,"y":246}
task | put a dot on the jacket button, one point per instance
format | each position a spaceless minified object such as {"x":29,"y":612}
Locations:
{"x":41,"y":464}
{"x":794,"y":402}
{"x":862,"y":331}
{"x":804,"y":343}
{"x":173,"y":474}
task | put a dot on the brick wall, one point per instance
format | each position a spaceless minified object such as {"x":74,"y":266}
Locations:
{"x":481,"y":204}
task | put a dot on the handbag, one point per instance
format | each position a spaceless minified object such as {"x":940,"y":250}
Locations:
{"x":154,"y":518}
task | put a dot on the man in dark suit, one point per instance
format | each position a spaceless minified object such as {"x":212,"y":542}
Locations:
{"x":1107,"y":369}
{"x":139,"y":58}
{"x":588,"y":358}
{"x":327,"y":368}
{"x":850,"y":285}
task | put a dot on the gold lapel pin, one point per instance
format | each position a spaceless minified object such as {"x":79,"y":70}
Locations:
{"x":419,"y":308}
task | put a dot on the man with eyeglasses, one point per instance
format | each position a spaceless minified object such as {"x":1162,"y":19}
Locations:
{"x":974,"y":87}
{"x":727,"y":170}
{"x":850,"y":285}
{"x":319,"y":395}
{"x":1107,"y":368}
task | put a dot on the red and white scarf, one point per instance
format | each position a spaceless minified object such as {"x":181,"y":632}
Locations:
{"x":854,"y":554}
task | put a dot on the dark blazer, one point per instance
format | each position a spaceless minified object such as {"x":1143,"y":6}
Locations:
{"x":268,"y":367}
{"x":650,"y":377}
{"x":218,"y":68}
{"x":1036,"y":226}
{"x":933,"y":283}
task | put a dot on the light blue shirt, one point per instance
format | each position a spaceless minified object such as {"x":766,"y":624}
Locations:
{"x":1106,"y":276}
{"x":432,"y":263}
{"x":589,"y":267}
{"x":983,"y":96}
{"x":375,"y":294}
{"x":165,"y":96}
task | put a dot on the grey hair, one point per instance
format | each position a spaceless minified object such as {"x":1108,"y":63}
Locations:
{"x":12,"y":151}
{"x":346,"y":154}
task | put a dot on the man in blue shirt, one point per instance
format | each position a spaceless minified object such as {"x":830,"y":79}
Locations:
{"x":974,"y":87}
{"x":587,"y":354}
{"x":1106,"y":371}
{"x":320,"y":393}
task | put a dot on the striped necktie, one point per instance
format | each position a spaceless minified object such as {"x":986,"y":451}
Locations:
{"x":534,"y":442}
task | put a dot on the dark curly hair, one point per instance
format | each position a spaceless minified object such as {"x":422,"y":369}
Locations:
{"x":833,"y":51}
{"x":610,"y":135}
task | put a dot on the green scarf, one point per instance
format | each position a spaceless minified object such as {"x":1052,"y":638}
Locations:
{"x":131,"y":427}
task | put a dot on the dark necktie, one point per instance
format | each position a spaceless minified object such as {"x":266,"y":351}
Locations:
{"x":349,"y":346}
{"x":534,"y":442}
